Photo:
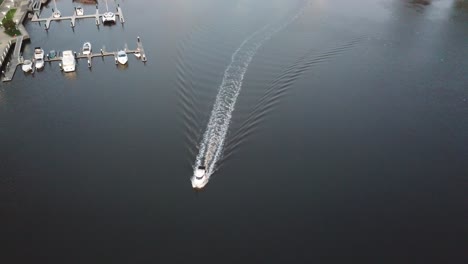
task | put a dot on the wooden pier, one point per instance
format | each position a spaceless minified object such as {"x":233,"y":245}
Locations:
{"x":36,"y":6}
{"x":16,"y":58}
{"x":74,"y":17}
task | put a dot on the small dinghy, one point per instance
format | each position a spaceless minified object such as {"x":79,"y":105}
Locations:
{"x":86,"y":48}
{"x":27,"y":66}
{"x":137,"y":53}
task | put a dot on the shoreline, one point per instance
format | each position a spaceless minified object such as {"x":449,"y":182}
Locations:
{"x":6,"y":40}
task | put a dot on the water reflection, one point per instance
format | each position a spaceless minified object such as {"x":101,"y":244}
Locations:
{"x":121,"y":67}
{"x":70,"y":75}
{"x":460,"y":4}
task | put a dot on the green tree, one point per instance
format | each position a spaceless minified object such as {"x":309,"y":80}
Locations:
{"x":9,"y":24}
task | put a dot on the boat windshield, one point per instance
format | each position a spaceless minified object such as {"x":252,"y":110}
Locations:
{"x":122,"y":55}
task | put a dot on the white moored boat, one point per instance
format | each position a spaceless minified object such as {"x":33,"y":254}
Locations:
{"x":79,"y":11}
{"x":39,"y":57}
{"x":137,"y":53}
{"x":108,"y":17}
{"x":199,"y":179}
{"x":86,"y":48}
{"x":27,"y":66}
{"x":56,"y":13}
{"x":122,"y":57}
{"x":68,"y":61}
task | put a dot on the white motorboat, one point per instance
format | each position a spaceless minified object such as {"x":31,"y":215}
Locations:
{"x":27,"y":66}
{"x":199,"y":179}
{"x":79,"y":11}
{"x":122,"y":57}
{"x":39,"y":57}
{"x":68,"y":61}
{"x":86,"y":48}
{"x":56,"y":13}
{"x":108,"y":17}
{"x":137,"y":53}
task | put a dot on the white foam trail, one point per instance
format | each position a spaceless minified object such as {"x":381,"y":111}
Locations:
{"x":211,"y":146}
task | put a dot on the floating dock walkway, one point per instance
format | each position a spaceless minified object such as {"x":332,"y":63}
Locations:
{"x":36,"y":6}
{"x":74,"y":17}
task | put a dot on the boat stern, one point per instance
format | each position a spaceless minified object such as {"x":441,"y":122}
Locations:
{"x":199,"y":178}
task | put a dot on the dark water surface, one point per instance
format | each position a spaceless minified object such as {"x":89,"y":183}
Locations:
{"x":348,"y":142}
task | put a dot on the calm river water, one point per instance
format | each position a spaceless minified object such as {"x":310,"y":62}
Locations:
{"x":346,"y":139}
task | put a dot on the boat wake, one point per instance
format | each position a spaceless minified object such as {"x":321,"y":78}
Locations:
{"x":211,"y":146}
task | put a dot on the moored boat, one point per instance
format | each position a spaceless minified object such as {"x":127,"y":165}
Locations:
{"x":52,"y":54}
{"x":68,"y":61}
{"x":137,"y":53}
{"x":55,"y":12}
{"x":122,"y":57}
{"x":86,"y":48}
{"x":39,"y":57}
{"x":79,"y":11}
{"x":27,"y":65}
{"x":108,"y":17}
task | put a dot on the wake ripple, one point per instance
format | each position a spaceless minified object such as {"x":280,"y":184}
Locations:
{"x":280,"y":85}
{"x":211,"y":146}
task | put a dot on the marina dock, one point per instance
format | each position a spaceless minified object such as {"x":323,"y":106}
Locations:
{"x":36,"y":6}
{"x":9,"y":61}
{"x":74,"y":17}
{"x":16,"y":58}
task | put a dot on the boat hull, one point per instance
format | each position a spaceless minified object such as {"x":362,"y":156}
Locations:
{"x":122,"y":61}
{"x":39,"y":64}
{"x":108,"y":17}
{"x":68,"y":61}
{"x":69,"y":68}
{"x":26,"y":68}
{"x":86,"y":48}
